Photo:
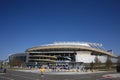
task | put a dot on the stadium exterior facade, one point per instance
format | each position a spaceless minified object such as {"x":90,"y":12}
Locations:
{"x":18,"y":56}
{"x":71,"y":54}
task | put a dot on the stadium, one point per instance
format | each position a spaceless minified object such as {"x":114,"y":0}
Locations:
{"x":72,"y":54}
{"x":18,"y":56}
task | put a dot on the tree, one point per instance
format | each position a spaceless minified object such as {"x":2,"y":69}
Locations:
{"x":1,"y":64}
{"x":108,"y":62}
{"x":118,"y":61}
{"x":91,"y":66}
{"x":97,"y":62}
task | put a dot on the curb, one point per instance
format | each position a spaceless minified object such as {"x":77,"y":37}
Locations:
{"x":117,"y":75}
{"x":2,"y":73}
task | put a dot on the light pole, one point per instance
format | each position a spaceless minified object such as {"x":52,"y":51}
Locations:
{"x":35,"y":64}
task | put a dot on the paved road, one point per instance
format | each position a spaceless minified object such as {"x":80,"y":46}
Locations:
{"x":16,"y":75}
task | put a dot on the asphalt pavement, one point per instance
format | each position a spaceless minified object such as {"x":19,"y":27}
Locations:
{"x":19,"y":75}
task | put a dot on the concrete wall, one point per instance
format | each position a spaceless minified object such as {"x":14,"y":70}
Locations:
{"x":86,"y":57}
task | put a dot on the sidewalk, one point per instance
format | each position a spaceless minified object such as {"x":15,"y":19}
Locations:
{"x":62,"y":72}
{"x":72,"y":73}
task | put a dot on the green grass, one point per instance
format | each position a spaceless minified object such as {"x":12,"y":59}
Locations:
{"x":18,"y":69}
{"x":105,"y":69}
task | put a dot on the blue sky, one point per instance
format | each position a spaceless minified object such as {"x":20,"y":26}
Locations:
{"x":28,"y":23}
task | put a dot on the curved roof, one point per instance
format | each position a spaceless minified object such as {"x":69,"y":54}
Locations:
{"x":54,"y":57}
{"x":18,"y":54}
{"x":73,"y":46}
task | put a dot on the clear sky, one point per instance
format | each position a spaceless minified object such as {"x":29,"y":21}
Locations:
{"x":28,"y":23}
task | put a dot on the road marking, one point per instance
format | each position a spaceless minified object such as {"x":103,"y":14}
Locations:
{"x":6,"y":78}
{"x":107,"y":76}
